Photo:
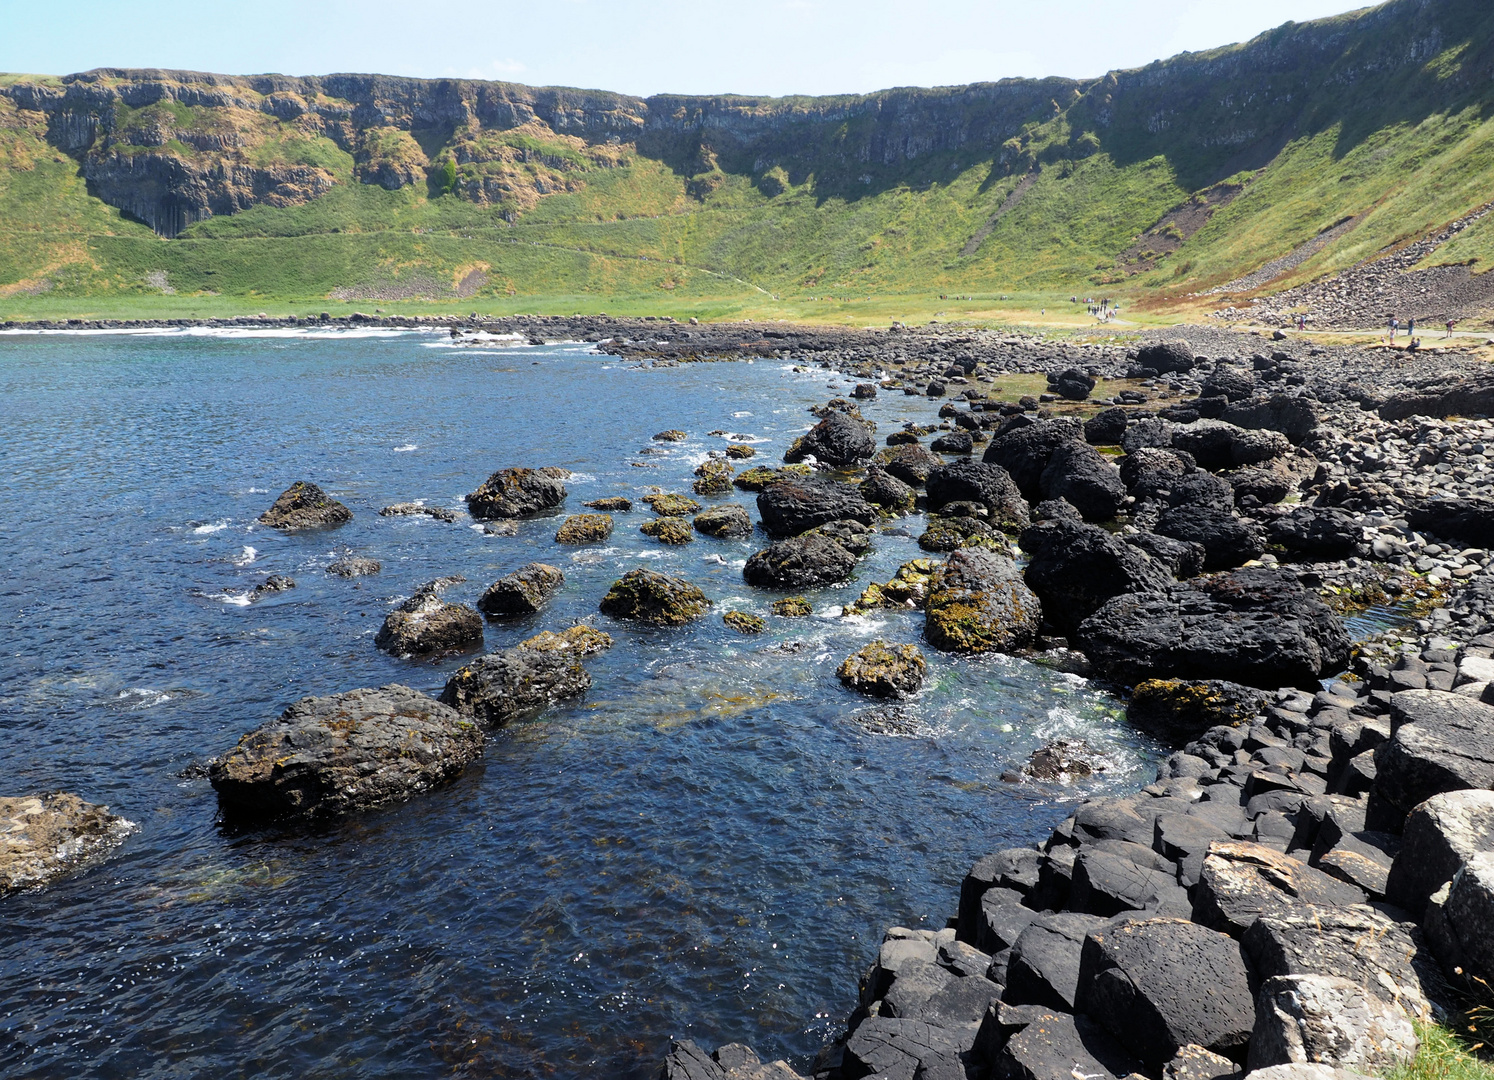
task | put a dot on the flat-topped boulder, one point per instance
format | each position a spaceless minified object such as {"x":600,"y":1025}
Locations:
{"x":800,"y":562}
{"x":503,"y":686}
{"x":516,"y":493}
{"x":45,"y":837}
{"x":327,"y":757}
{"x":303,"y":505}
{"x":523,"y":592}
{"x":1441,"y":742}
{"x":793,"y":506}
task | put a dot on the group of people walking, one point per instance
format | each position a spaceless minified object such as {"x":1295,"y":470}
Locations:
{"x":1393,"y":329}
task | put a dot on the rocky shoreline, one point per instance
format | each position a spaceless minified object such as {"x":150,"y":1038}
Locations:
{"x":1187,"y":519}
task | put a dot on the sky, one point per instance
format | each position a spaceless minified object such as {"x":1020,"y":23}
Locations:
{"x":772,"y":47}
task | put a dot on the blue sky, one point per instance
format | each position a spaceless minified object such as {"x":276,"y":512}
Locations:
{"x":753,"y":47}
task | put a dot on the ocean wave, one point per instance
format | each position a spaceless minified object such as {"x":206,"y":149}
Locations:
{"x":247,"y":557}
{"x":204,"y":530}
{"x":406,"y":448}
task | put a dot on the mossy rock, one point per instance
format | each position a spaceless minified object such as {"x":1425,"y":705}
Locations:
{"x":648,"y":596}
{"x":1177,"y":710}
{"x":715,"y":478}
{"x":740,"y":451}
{"x":724,"y":520}
{"x":584,"y":529}
{"x":670,"y":505}
{"x":882,"y":670}
{"x":908,"y":589}
{"x":612,"y":504}
{"x":978,"y":603}
{"x":744,"y":623}
{"x":672,"y":435}
{"x":581,"y":639}
{"x":954,"y":533}
{"x":762,"y":476}
{"x":669,"y":530}
{"x":793,"y":607}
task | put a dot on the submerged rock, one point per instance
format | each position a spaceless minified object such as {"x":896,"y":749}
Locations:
{"x":332,"y":756}
{"x":351,"y":567}
{"x":516,"y":493}
{"x":657,"y":599}
{"x":523,"y":592}
{"x":502,"y":686}
{"x":584,"y":529}
{"x":425,"y":624}
{"x":303,"y":505}
{"x":410,"y":509}
{"x":978,"y":602}
{"x":273,"y":584}
{"x":743,"y":623}
{"x":882,"y":670}
{"x":44,"y":837}
{"x":612,"y":504}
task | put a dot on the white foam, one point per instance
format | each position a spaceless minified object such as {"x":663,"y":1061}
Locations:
{"x":142,"y":697}
{"x":204,"y":530}
{"x":406,"y":448}
{"x":740,"y":415}
{"x":248,"y":556}
{"x":235,"y":599}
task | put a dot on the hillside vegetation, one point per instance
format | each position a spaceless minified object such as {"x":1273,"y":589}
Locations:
{"x":180,"y":192}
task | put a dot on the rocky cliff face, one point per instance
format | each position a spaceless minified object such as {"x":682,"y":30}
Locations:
{"x":172,"y":147}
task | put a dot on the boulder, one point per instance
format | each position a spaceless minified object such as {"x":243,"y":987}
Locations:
{"x":1015,"y":869}
{"x":1196,"y":1063}
{"x":648,"y":596}
{"x":516,"y":493}
{"x":911,"y":463}
{"x":795,"y":506}
{"x":327,"y":757}
{"x":839,"y":440}
{"x":1461,"y":521}
{"x":726,"y":520}
{"x":893,"y":1049}
{"x":1231,"y":383}
{"x":584,"y":529}
{"x":1242,"y":881}
{"x":1295,"y":417}
{"x":744,"y":623}
{"x":1258,"y":627}
{"x":1107,"y":883}
{"x":1166,"y":357}
{"x":415,"y":509}
{"x":1075,"y":568}
{"x":1072,"y":384}
{"x":882,"y":670}
{"x":759,"y":477}
{"x":50,"y":835}
{"x":888,"y":492}
{"x":612,"y":504}
{"x":1216,"y":445}
{"x":275,"y":583}
{"x":714,"y":478}
{"x":426,"y":624}
{"x":1178,"y":711}
{"x":1053,"y":1046}
{"x":1182,"y":558}
{"x":670,"y":504}
{"x":953,"y":443}
{"x":502,"y":686}
{"x":800,"y":562}
{"x":1158,"y":985}
{"x":1467,"y":916}
{"x":1081,"y":475}
{"x":1324,"y":1019}
{"x":1106,"y":428}
{"x":1056,"y":510}
{"x":350,"y":567}
{"x":1441,"y":834}
{"x":1359,"y":943}
{"x":977,"y":602}
{"x":1044,"y":965}
{"x":985,"y":485}
{"x":581,"y":639}
{"x":1227,"y":540}
{"x":1151,"y":472}
{"x":523,"y":592}
{"x":1441,"y":742}
{"x":1025,"y":451}
{"x":1316,"y":534}
{"x":668,"y":530}
{"x":303,"y":505}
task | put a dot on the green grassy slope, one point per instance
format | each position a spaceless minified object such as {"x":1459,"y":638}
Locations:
{"x":1384,"y":116}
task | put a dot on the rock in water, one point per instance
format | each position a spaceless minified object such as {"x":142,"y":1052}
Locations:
{"x":581,"y":639}
{"x":723,"y":521}
{"x":425,"y":624}
{"x":671,"y":505}
{"x":744,"y":623}
{"x":668,"y":530}
{"x":657,"y":599}
{"x":584,"y":529}
{"x":515,"y":493}
{"x":715,"y":477}
{"x":793,"y":607}
{"x":351,"y":567}
{"x":502,"y":686}
{"x":48,"y":836}
{"x":523,"y":592}
{"x":1255,"y":626}
{"x":800,"y":562}
{"x":794,"y":506}
{"x":1178,"y":712}
{"x":327,"y":757}
{"x":977,"y":602}
{"x":303,"y":505}
{"x":882,"y":670}
{"x":840,"y":441}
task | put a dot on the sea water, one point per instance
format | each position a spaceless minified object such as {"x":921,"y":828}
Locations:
{"x":708,"y":845}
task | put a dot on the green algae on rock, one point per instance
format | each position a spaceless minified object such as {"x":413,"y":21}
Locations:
{"x":668,"y":530}
{"x":743,"y":623}
{"x":648,"y":596}
{"x":978,"y":602}
{"x":882,"y":670}
{"x":908,"y":589}
{"x":714,"y":477}
{"x":793,"y":607}
{"x":584,"y":529}
{"x":671,"y":505}
{"x":761,"y":476}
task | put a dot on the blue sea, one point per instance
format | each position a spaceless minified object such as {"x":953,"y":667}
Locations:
{"x":707,"y":846}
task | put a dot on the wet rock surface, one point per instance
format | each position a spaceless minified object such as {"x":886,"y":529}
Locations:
{"x":523,"y":592}
{"x":503,"y":686}
{"x":303,"y":505}
{"x":327,"y":757}
{"x":516,"y":493}
{"x":648,"y":596}
{"x":44,"y":837}
{"x":427,"y":624}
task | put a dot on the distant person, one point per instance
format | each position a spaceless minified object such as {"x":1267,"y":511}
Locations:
{"x":1450,"y":324}
{"x":1411,"y":327}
